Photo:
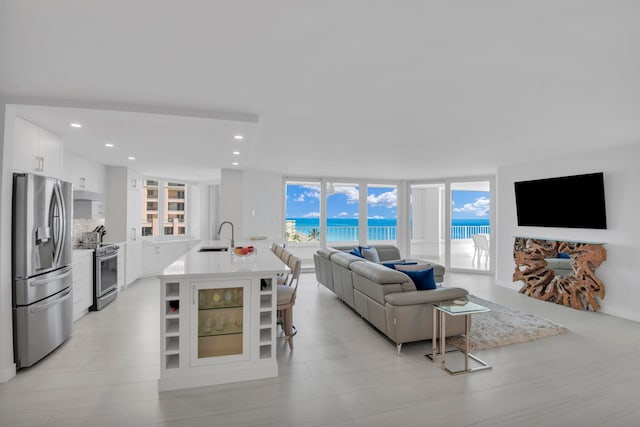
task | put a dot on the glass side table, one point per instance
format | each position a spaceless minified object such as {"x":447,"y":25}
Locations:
{"x":440,"y":312}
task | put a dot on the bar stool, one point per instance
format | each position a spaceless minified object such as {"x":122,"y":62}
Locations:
{"x":286,"y":295}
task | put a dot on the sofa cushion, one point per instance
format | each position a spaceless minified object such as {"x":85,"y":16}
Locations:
{"x":379,"y":273}
{"x":423,"y":279}
{"x":327,"y":252}
{"x":345,"y":260}
{"x":425,"y":297}
{"x":393,"y":264}
{"x":412,"y":266}
{"x":387,"y":253}
{"x":369,"y":253}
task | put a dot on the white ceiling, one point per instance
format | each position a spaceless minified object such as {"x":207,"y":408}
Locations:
{"x":358,"y":88}
{"x":173,"y":146}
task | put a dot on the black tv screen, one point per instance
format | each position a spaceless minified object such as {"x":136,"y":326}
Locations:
{"x":567,"y":202}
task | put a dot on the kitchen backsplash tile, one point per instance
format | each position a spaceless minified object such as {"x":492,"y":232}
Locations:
{"x":82,"y":225}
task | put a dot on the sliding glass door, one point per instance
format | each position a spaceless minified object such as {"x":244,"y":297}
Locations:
{"x":470,"y":225}
{"x":451,"y":223}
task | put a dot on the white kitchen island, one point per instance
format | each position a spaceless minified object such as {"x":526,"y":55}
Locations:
{"x":218,"y":318}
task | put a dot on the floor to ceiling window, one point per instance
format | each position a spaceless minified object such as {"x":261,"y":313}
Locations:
{"x":302,"y":219}
{"x":343,"y":201}
{"x":382,"y":213}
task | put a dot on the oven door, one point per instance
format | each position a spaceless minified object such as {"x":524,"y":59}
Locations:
{"x":106,"y":274}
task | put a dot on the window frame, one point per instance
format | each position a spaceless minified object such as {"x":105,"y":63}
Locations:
{"x":163,"y":184}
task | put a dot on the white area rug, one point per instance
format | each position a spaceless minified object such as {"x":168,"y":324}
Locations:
{"x":503,"y":326}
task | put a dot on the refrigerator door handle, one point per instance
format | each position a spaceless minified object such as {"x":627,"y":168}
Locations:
{"x":60,"y":226}
{"x":63,"y":273}
{"x":40,"y":307}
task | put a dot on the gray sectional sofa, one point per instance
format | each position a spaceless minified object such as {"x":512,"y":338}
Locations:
{"x":385,"y":297}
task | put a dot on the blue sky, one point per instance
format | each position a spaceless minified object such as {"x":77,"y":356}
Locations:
{"x":303,"y":201}
{"x":470,"y":204}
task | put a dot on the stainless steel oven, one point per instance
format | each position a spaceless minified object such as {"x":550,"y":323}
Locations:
{"x":106,"y":276}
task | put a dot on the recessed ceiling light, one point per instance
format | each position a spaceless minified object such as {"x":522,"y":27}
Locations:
{"x":235,"y":163}
{"x":108,"y":145}
{"x":75,"y":125}
{"x":131,"y":158}
{"x":238,"y":137}
{"x":236,"y":153}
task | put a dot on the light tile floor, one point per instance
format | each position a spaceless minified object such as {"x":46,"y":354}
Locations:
{"x":342,"y":373}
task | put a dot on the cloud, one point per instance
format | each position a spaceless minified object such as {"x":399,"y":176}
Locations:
{"x":312,"y":215}
{"x":352,"y":193}
{"x":300,"y":198}
{"x":480,"y":207}
{"x":356,"y":215}
{"x":313,"y":191}
{"x":388,"y":199}
{"x":343,"y":214}
{"x":376,"y":217}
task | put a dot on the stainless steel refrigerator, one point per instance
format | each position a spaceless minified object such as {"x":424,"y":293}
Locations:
{"x":42,"y":293}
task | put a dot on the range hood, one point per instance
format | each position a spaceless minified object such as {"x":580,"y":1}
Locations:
{"x":87,"y":195}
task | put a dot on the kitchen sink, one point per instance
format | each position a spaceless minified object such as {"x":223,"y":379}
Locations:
{"x":214,"y":249}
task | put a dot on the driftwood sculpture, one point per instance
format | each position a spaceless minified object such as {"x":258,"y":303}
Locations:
{"x":580,"y":291}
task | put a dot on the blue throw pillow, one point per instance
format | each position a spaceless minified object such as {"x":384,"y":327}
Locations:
{"x":356,"y":252}
{"x":369,"y":253}
{"x":563,"y":255}
{"x":423,"y":279}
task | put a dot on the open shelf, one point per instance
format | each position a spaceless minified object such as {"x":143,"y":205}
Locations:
{"x":265,"y":319}
{"x":172,"y":290}
{"x":265,"y":302}
{"x":266,"y":285}
{"x":172,"y":308}
{"x":265,"y":351}
{"x":172,"y":361}
{"x":265,"y":336}
{"x":172,"y":345}
{"x":172,"y":327}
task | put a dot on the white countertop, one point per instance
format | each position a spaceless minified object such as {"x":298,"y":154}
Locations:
{"x":195,"y":263}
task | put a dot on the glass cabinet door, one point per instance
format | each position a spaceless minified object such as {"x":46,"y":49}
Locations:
{"x":220,"y":321}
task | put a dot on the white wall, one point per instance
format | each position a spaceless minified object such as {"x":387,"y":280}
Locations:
{"x":231,"y":201}
{"x":7,"y":118}
{"x":621,"y":271}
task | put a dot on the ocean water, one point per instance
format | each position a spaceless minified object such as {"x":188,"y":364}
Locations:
{"x":346,"y":229}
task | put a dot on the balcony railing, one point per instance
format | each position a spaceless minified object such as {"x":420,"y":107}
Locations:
{"x":374,"y":232}
{"x":466,"y":231}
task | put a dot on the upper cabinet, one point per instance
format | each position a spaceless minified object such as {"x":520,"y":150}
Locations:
{"x":36,"y":150}
{"x":86,"y":175}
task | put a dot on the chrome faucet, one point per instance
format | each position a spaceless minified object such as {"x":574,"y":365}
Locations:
{"x":220,"y":229}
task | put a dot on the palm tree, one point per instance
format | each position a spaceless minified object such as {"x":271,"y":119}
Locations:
{"x":314,"y":235}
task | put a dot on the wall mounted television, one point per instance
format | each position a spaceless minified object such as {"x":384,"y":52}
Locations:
{"x":575,"y":201}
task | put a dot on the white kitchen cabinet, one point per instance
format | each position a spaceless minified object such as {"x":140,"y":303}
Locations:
{"x":122,"y":254}
{"x":134,"y":226}
{"x":82,"y":282}
{"x":36,"y":150}
{"x":123,"y":217}
{"x":85,"y":174}
{"x":88,"y":209}
{"x":157,"y":256}
{"x":217,"y":319}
